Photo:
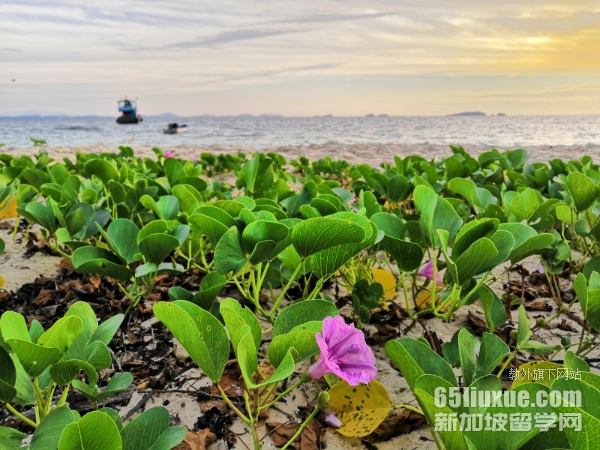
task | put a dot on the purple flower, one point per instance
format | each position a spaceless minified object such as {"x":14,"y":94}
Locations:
{"x":333,"y":421}
{"x":344,"y":353}
{"x":169,"y":154}
{"x":427,"y":272}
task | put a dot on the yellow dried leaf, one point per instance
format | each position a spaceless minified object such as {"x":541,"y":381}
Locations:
{"x":1,"y":282}
{"x":527,"y":373}
{"x":8,"y":209}
{"x":361,"y":409}
{"x":387,"y":280}
{"x":423,"y":301}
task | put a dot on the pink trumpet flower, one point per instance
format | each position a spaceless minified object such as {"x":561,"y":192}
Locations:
{"x":344,"y":353}
{"x":169,"y":154}
{"x":427,"y":272}
{"x":333,"y":421}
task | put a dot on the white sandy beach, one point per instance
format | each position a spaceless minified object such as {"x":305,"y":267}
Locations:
{"x":373,"y":154}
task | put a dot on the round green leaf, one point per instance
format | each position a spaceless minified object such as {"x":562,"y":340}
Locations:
{"x":199,"y":332}
{"x":302,"y":312}
{"x":95,"y":431}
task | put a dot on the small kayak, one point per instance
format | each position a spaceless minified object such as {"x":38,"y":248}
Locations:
{"x":175,"y":128}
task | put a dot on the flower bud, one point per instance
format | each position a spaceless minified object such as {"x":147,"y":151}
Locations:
{"x":333,"y":421}
{"x":514,"y":335}
{"x":564,"y":309}
{"x":540,"y":322}
{"x":322,"y":399}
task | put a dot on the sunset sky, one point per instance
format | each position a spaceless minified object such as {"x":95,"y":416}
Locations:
{"x":301,"y":58}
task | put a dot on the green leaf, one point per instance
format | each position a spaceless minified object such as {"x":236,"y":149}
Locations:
{"x":408,"y":255}
{"x":211,"y":221}
{"x":48,"y":434}
{"x":247,"y":359}
{"x":524,"y":332}
{"x":416,"y":359}
{"x":107,"y":329}
{"x":229,"y":253}
{"x":97,"y":261}
{"x":236,"y":316}
{"x":493,"y":308}
{"x":589,"y":409}
{"x":114,"y":416}
{"x":436,"y":214}
{"x":24,"y":386}
{"x":64,"y":372}
{"x":478,"y":198}
{"x":13,"y":326}
{"x":424,"y":390}
{"x":537,"y":348}
{"x":527,"y":241}
{"x":524,"y":204}
{"x":157,"y":247}
{"x":118,"y":383}
{"x":10,"y":439}
{"x":492,"y":351}
{"x":326,"y":262}
{"x":589,"y":298}
{"x":34,"y":358}
{"x":582,"y":189}
{"x":576,"y":363}
{"x":593,"y":265}
{"x":8,"y":377}
{"x":95,"y":431}
{"x":257,"y":175}
{"x":262,"y":230}
{"x":122,"y":236}
{"x":102,"y":169}
{"x":62,"y":334}
{"x":154,"y":227}
{"x":199,"y":332}
{"x":508,"y":438}
{"x":390,"y":224}
{"x":475,"y":259}
{"x":302,"y":312}
{"x":151,"y":431}
{"x":303,"y":342}
{"x":471,"y":232}
{"x":210,"y":287}
{"x":320,"y":233}
{"x":368,"y":294}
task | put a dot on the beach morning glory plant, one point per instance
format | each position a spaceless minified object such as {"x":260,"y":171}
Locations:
{"x":300,"y":331}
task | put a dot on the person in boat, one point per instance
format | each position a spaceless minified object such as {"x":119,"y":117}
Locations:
{"x":173,"y":126}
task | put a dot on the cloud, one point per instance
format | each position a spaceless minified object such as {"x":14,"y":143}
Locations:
{"x":275,"y":72}
{"x":11,"y":50}
{"x":325,"y":18}
{"x":230,"y":36}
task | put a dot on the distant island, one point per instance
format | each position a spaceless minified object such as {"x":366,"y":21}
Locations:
{"x":468,"y":113}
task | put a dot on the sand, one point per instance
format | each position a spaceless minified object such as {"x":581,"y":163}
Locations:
{"x":373,"y":154}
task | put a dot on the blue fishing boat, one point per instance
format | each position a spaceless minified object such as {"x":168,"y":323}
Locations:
{"x":128,"y":109}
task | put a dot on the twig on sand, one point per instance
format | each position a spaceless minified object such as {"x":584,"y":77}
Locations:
{"x":138,"y":405}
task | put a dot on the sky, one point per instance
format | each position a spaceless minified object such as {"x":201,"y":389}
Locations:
{"x":301,"y":58}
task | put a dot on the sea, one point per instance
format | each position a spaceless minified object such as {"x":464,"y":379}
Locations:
{"x":269,"y":131}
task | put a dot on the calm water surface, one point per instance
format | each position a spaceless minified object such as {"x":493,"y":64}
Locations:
{"x":260,"y":132}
